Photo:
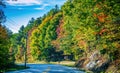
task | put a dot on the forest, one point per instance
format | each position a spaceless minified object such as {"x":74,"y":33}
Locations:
{"x":81,"y":29}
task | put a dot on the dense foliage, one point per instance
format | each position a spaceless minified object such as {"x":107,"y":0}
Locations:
{"x":20,"y":41}
{"x":4,"y":48}
{"x":5,"y":56}
{"x":42,"y":37}
{"x":88,"y":26}
{"x":78,"y":28}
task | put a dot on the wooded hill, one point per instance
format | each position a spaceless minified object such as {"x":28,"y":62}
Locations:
{"x":89,"y":30}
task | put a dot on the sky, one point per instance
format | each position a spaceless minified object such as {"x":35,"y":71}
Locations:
{"x":19,"y":12}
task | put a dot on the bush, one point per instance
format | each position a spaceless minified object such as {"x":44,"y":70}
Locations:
{"x":103,"y":51}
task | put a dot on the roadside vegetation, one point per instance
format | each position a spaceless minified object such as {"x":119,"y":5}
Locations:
{"x":15,"y":68}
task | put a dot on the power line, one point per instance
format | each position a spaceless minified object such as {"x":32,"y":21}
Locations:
{"x":13,"y":24}
{"x":10,"y":26}
{"x":12,"y":21}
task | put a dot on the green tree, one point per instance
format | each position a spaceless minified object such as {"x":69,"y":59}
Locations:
{"x":43,"y":36}
{"x":21,"y":42}
{"x":4,"y":48}
{"x":38,"y":21}
{"x":4,"y":42}
{"x":2,"y":15}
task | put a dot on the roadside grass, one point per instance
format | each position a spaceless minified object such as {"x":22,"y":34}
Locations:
{"x":65,"y":63}
{"x":16,"y":67}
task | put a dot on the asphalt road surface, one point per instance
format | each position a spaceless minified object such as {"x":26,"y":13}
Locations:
{"x":47,"y":68}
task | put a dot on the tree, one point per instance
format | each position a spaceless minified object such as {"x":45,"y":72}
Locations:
{"x":2,"y":16}
{"x":21,"y":44}
{"x":42,"y":36}
{"x":4,"y":48}
{"x":4,"y":42}
{"x":38,"y":21}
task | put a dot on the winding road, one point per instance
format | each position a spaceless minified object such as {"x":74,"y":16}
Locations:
{"x":47,"y":68}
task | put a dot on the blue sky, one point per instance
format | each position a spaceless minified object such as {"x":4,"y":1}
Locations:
{"x":19,"y":12}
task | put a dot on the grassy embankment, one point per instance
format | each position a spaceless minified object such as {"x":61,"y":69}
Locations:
{"x":14,"y":68}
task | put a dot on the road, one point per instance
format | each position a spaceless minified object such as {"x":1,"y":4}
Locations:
{"x":47,"y":68}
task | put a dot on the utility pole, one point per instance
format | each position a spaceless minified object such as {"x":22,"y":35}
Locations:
{"x":25,"y":52}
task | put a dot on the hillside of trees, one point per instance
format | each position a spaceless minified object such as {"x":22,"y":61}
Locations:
{"x":6,"y":58}
{"x":86,"y":30}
